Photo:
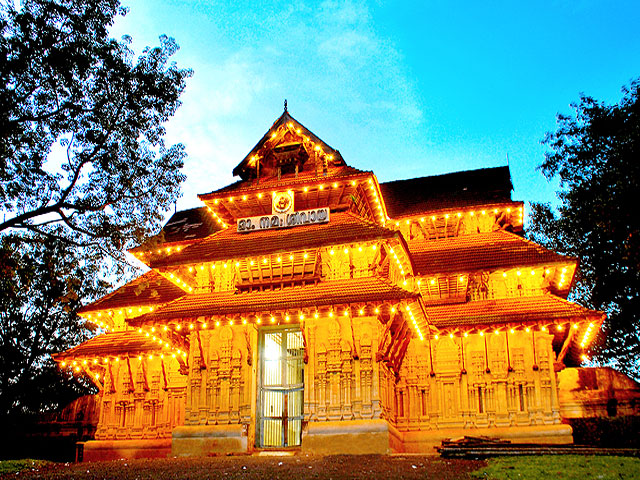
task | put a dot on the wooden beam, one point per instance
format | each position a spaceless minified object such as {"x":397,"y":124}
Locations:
{"x":113,"y":381}
{"x":203,"y":360}
{"x":399,"y":358}
{"x":260,"y":276}
{"x":565,"y":346}
{"x":397,"y":320}
{"x":395,"y":345}
{"x":344,"y":186}
{"x":315,"y":261}
{"x":354,"y":350}
{"x":132,"y":385}
{"x":93,"y":378}
{"x":143,"y":364}
{"x":164,"y":374}
{"x":183,"y":367}
{"x":247,"y":340}
{"x":372,"y":211}
{"x":249,"y":270}
{"x":383,"y":341}
{"x":305,"y":359}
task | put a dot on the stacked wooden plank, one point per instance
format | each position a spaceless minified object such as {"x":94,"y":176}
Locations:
{"x":482,"y":447}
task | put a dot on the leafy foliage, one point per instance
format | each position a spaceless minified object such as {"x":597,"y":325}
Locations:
{"x":594,"y":154}
{"x":81,"y":126}
{"x":41,"y":285}
{"x":84,"y":174}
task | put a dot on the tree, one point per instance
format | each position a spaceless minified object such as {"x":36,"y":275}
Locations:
{"x":42,"y":283}
{"x":82,"y":154}
{"x":84,"y":174}
{"x":595,"y":155}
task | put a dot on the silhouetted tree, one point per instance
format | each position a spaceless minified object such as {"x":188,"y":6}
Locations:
{"x":84,"y":174}
{"x":595,"y":154}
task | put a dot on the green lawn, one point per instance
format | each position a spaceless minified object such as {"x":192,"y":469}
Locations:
{"x":14,"y":466}
{"x":561,"y":467}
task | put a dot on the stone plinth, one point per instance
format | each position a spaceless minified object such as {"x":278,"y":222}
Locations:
{"x":426,"y":441}
{"x":346,"y":437}
{"x":203,"y":440}
{"x":101,"y":450}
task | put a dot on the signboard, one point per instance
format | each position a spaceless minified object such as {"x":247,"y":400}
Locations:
{"x":283,"y":220}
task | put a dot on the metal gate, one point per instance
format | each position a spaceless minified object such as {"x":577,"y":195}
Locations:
{"x":280,"y":388}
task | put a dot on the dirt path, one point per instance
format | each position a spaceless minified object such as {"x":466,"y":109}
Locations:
{"x":250,"y":467}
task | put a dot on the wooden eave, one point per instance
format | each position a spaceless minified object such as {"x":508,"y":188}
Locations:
{"x":148,"y":290}
{"x":357,"y":291}
{"x":524,"y":310}
{"x":357,"y":191}
{"x":491,"y":251}
{"x":112,"y":344}
{"x":343,"y":228}
{"x":452,"y":211}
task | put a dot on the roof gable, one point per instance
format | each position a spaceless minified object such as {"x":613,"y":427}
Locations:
{"x":286,"y":139}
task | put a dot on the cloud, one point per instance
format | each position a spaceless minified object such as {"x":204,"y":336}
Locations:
{"x":344,"y":80}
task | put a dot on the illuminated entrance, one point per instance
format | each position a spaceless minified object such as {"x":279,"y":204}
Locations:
{"x":281,"y":388}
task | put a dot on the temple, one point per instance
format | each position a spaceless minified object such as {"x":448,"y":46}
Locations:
{"x":309,"y":307}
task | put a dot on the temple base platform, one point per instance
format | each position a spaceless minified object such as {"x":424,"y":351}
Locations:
{"x":354,"y":437}
{"x":426,"y":441}
{"x":103,"y":450}
{"x":206,"y":440}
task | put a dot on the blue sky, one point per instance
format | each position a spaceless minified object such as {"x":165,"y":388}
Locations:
{"x":405,"y":89}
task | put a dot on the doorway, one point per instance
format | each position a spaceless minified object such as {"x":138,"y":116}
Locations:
{"x":280,"y":387}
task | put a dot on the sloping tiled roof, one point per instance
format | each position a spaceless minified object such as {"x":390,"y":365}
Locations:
{"x":342,"y":228}
{"x":188,"y":225}
{"x":453,"y":190}
{"x":507,"y":310}
{"x":342,"y":172}
{"x":356,"y":290}
{"x":150,"y":288}
{"x":483,"y":251}
{"x":114,"y":343}
{"x":184,"y":227}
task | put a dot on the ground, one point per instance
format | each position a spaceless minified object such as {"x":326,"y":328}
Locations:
{"x":560,"y":467}
{"x":252,"y":467}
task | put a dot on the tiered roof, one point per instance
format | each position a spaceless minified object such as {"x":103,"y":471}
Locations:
{"x":323,"y":180}
{"x":480,"y":252}
{"x":113,"y":343}
{"x":343,"y":228}
{"x":487,"y":186}
{"x":339,"y":173}
{"x":247,"y":166}
{"x":150,"y":288}
{"x":348,"y":291}
{"x":508,"y":311}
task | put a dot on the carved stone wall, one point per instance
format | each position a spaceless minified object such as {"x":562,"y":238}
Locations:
{"x":142,"y":399}
{"x":474,"y":382}
{"x":341,"y":377}
{"x":221,"y":377}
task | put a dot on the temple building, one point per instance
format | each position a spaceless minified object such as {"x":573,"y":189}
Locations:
{"x":309,"y":307}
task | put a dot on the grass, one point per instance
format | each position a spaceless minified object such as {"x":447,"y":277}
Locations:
{"x":561,"y":467}
{"x":15,"y":466}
